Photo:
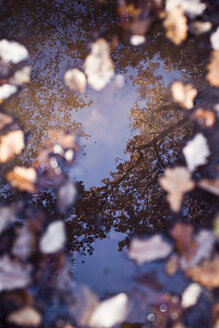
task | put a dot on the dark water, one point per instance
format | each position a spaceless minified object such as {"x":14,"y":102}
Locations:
{"x":114,"y":125}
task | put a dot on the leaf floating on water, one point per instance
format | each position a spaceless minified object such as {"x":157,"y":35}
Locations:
{"x":196,"y":152}
{"x":210,"y":185}
{"x":192,"y":8}
{"x":207,"y":273}
{"x":6,"y":91}
{"x":184,"y":239}
{"x":13,"y":274}
{"x":7,"y":216}
{"x":98,"y":65}
{"x":137,"y":40}
{"x":110,"y":312}
{"x":176,"y":182}
{"x":22,"y":178}
{"x":66,"y":195}
{"x":11,"y":51}
{"x":215,"y":39}
{"x":152,"y":249}
{"x":54,"y":238}
{"x":191,"y":295}
{"x":5,"y":120}
{"x":213,"y":69}
{"x":75,"y":80}
{"x":184,"y":94}
{"x":21,"y":76}
{"x":11,"y":144}
{"x":172,"y":265}
{"x":26,"y":316}
{"x":24,"y":243}
{"x":175,"y":24}
{"x":205,"y":117}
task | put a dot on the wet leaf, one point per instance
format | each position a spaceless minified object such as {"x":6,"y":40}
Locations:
{"x":54,"y":238}
{"x":24,"y":243}
{"x":172,"y":265}
{"x":6,"y":91}
{"x":137,"y":40}
{"x":192,"y":8}
{"x":176,"y":182}
{"x":215,"y":39}
{"x":207,"y":273}
{"x":210,"y":185}
{"x":22,"y":178}
{"x":21,"y":76}
{"x":98,"y":65}
{"x":26,"y":316}
{"x":184,"y":94}
{"x":213,"y":69}
{"x":13,"y":274}
{"x":110,"y":312}
{"x":205,"y":117}
{"x":147,"y":250}
{"x":11,"y":144}
{"x":75,"y":80}
{"x":5,"y":120}
{"x":66,"y":195}
{"x":199,"y":27}
{"x":11,"y":51}
{"x":184,"y":239}
{"x":175,"y":24}
{"x":196,"y":152}
{"x":7,"y":216}
{"x":191,"y":295}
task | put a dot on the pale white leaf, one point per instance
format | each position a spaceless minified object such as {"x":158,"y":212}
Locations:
{"x":192,"y":8}
{"x":7,"y":90}
{"x":21,"y":76}
{"x":146,"y":250}
{"x":26,"y":316}
{"x":11,"y":51}
{"x":215,"y":39}
{"x":54,"y":238}
{"x":196,"y":152}
{"x":110,"y":312}
{"x":137,"y":40}
{"x":75,"y":80}
{"x":190,"y":295}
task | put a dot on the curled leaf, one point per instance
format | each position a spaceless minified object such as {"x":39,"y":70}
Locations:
{"x":176,"y":182}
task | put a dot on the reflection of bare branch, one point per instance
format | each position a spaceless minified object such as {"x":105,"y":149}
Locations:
{"x":159,"y":157}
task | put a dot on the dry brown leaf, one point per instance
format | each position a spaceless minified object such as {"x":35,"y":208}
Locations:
{"x":176,"y":182}
{"x":26,"y":316}
{"x":184,"y":94}
{"x":22,"y":178}
{"x":185,"y":243}
{"x":175,"y":24}
{"x":210,"y":185}
{"x":11,"y":144}
{"x":207,"y":273}
{"x":213,"y":69}
{"x":205,"y":117}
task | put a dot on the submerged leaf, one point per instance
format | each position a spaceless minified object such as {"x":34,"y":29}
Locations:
{"x":54,"y":238}
{"x":66,"y":195}
{"x":11,"y":144}
{"x":176,"y":182}
{"x":22,"y":178}
{"x":175,"y":24}
{"x":26,"y":316}
{"x":184,"y":94}
{"x":98,"y":65}
{"x":152,"y":249}
{"x":110,"y":312}
{"x":196,"y":152}
{"x":13,"y":274}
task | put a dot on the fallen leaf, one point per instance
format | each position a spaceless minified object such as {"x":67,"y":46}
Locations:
{"x":110,"y":312}
{"x":5,"y":120}
{"x":191,"y":295}
{"x":24,"y":243}
{"x":147,"y":250}
{"x":205,"y":117}
{"x":176,"y":182}
{"x":175,"y":24}
{"x":192,"y":8}
{"x":6,"y":91}
{"x":66,"y":195}
{"x":215,"y":39}
{"x":196,"y":152}
{"x":75,"y":80}
{"x":184,"y":239}
{"x":184,"y":94}
{"x":22,"y":178}
{"x":210,"y":185}
{"x":54,"y":238}
{"x":207,"y":273}
{"x":137,"y":40}
{"x":21,"y":76}
{"x":172,"y":265}
{"x":7,"y":216}
{"x":98,"y":65}
{"x":13,"y":274}
{"x":26,"y":316}
{"x":11,"y":144}
{"x":11,"y":51}
{"x":213,"y":69}
{"x":199,"y":27}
